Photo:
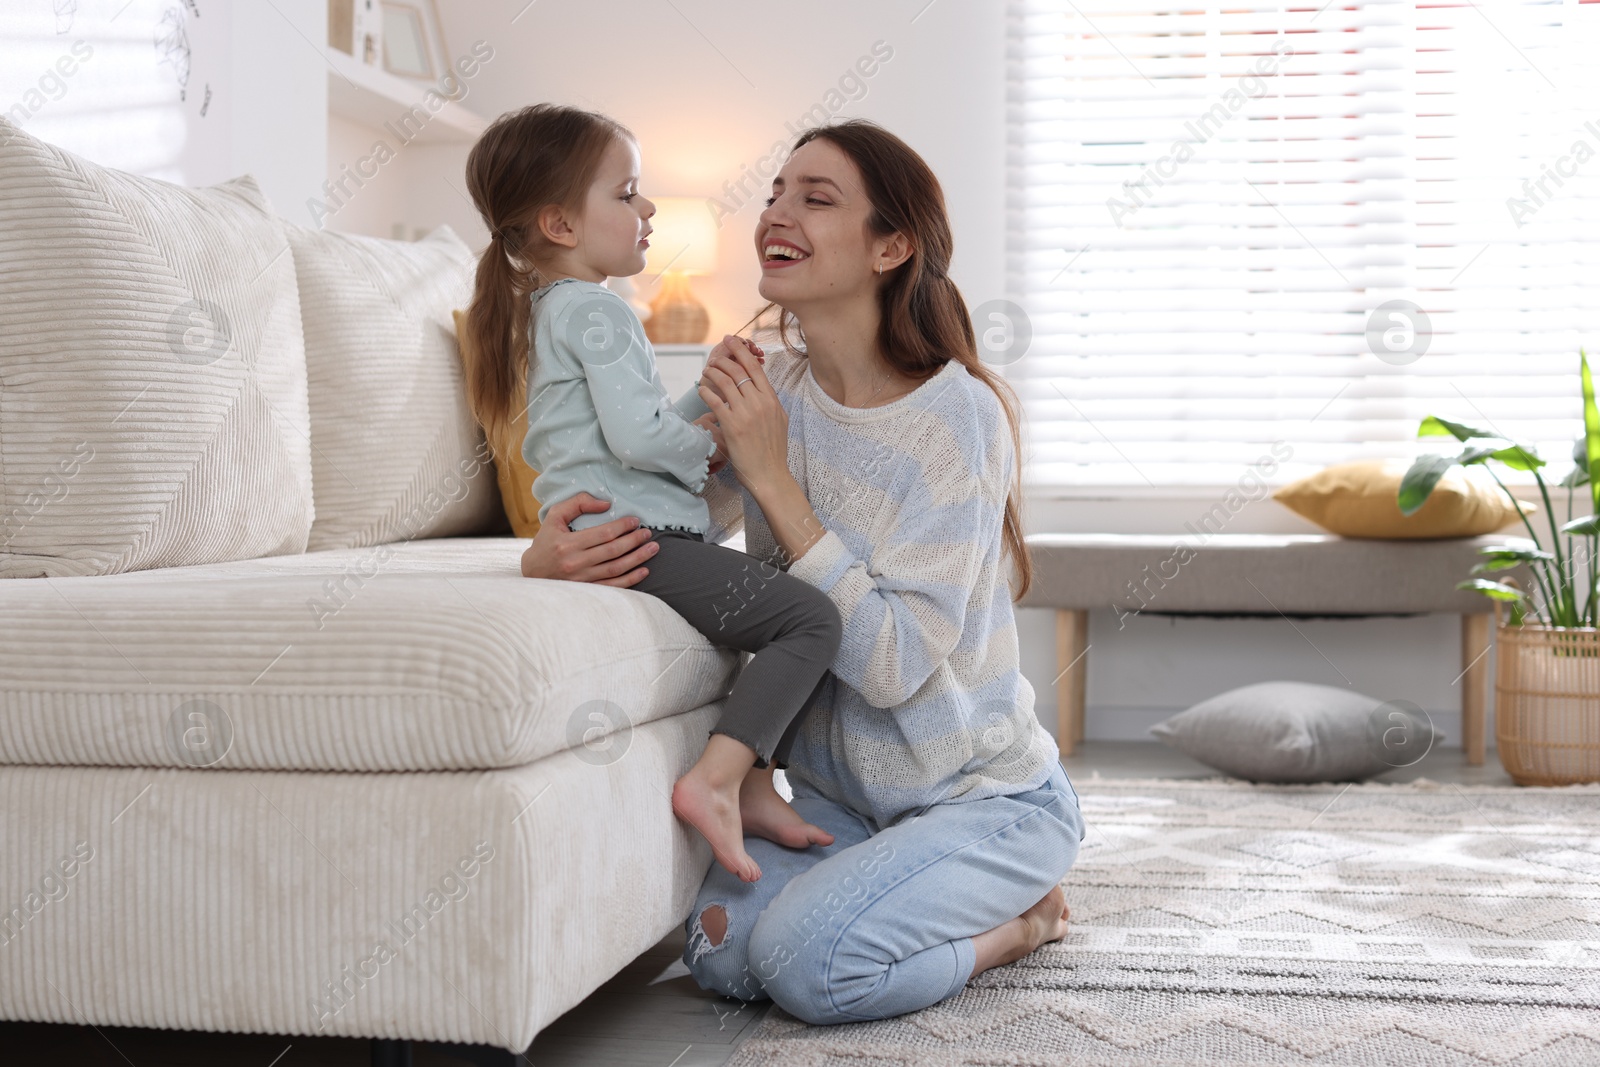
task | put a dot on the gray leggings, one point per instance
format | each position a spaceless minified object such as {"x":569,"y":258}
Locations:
{"x":741,"y":602}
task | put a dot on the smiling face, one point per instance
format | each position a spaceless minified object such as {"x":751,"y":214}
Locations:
{"x":612,"y":230}
{"x":813,"y":240}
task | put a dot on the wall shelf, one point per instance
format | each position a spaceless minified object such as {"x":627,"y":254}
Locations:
{"x":376,"y":98}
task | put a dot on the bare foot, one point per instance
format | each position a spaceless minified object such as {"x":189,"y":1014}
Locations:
{"x":1010,"y":941}
{"x":765,"y":813}
{"x":1046,"y":920}
{"x":713,"y":809}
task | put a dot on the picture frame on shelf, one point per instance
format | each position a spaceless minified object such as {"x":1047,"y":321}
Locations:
{"x":355,"y":27}
{"x":413,"y":40}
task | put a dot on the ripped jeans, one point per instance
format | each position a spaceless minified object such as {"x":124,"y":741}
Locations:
{"x":879,"y":924}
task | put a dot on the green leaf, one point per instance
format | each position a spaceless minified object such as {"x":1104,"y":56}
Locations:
{"x":1476,"y":457}
{"x":1492,"y":590}
{"x":1588,"y":526}
{"x":1505,"y":557}
{"x":1516,"y":552}
{"x":1518,"y":457}
{"x":1591,"y":425}
{"x":1433,"y":426}
{"x":1521,"y":551}
{"x":1417,"y":485}
{"x":1575,"y":477}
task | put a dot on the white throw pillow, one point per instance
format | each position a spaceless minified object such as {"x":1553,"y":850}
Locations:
{"x":152,"y":372}
{"x":396,"y":453}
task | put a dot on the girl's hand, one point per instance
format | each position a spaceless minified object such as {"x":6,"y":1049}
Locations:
{"x":611,"y":553}
{"x":720,"y":458}
{"x":725,"y":349}
{"x":754,"y":427}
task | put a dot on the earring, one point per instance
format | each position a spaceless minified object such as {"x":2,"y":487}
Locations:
{"x":880,"y":268}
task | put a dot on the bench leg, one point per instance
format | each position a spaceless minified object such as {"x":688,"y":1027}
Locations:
{"x":1474,"y":685}
{"x":1072,"y":647}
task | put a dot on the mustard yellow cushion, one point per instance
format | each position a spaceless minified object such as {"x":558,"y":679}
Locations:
{"x":512,"y":471}
{"x":1358,"y":500}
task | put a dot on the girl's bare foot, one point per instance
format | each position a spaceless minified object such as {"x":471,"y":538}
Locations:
{"x":765,"y":813}
{"x":1010,"y":941}
{"x":707,"y":798}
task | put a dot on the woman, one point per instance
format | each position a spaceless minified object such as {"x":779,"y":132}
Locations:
{"x":880,"y":465}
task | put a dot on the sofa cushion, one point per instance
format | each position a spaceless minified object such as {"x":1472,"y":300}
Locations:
{"x":152,"y":374}
{"x":422,"y":655}
{"x":395,"y":451}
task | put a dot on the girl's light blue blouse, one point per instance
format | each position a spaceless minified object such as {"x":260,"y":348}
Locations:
{"x":599,"y":418}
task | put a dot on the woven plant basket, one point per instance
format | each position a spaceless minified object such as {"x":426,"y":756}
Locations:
{"x":1547,"y":703}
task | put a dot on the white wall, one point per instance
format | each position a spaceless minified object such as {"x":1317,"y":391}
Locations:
{"x":280,"y":99}
{"x":708,"y":86}
{"x":193,"y":93}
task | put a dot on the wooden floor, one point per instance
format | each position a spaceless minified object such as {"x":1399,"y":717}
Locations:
{"x":650,"y":1015}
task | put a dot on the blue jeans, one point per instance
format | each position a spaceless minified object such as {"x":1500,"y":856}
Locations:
{"x":879,"y":924}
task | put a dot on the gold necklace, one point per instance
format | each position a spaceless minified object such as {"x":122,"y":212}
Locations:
{"x":886,"y":376}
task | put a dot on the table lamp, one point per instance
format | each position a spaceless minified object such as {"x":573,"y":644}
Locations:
{"x":684,"y":243}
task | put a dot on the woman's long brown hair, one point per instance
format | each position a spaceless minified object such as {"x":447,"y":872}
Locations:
{"x":525,"y":161}
{"x":923,"y":320}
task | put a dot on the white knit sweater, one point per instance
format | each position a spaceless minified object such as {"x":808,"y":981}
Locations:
{"x":926,"y":704}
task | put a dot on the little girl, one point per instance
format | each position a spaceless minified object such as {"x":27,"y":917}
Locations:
{"x":559,"y":190}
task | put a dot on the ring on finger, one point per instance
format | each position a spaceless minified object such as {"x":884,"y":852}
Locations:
{"x":741,"y":381}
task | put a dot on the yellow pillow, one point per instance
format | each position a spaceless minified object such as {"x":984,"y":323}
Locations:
{"x":1358,"y":500}
{"x":511,"y":470}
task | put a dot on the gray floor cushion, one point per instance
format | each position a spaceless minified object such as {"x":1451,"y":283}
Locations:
{"x":1296,"y":732}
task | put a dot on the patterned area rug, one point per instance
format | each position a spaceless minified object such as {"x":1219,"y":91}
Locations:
{"x":1223,"y":923}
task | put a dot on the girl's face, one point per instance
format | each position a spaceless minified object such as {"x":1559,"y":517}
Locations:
{"x":812,"y":240}
{"x":615,"y":221}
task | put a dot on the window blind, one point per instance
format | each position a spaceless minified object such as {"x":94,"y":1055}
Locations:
{"x":1212,"y":208}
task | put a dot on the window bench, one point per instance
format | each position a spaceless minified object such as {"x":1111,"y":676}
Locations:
{"x":1283,"y":575}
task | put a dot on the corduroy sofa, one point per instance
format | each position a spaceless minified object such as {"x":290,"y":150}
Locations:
{"x":287,"y":743}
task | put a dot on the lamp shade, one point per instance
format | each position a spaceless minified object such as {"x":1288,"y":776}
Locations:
{"x":685,"y":237}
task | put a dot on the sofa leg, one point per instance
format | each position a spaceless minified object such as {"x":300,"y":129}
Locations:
{"x":398,"y":1054}
{"x":484,"y":1055}
{"x":387,"y":1053}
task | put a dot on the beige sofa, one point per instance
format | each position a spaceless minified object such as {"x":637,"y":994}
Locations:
{"x":287,"y":744}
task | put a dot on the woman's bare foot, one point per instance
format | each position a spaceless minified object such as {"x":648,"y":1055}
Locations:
{"x":707,"y":798}
{"x":765,"y":813}
{"x":1046,"y":921}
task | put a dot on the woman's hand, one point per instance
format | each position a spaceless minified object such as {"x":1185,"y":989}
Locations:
{"x":610,"y":554}
{"x":755,"y":429}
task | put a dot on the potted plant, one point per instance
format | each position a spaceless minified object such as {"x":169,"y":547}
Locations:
{"x":1547,"y":685}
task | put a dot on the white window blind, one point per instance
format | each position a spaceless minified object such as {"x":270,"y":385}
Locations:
{"x":1208,"y":202}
